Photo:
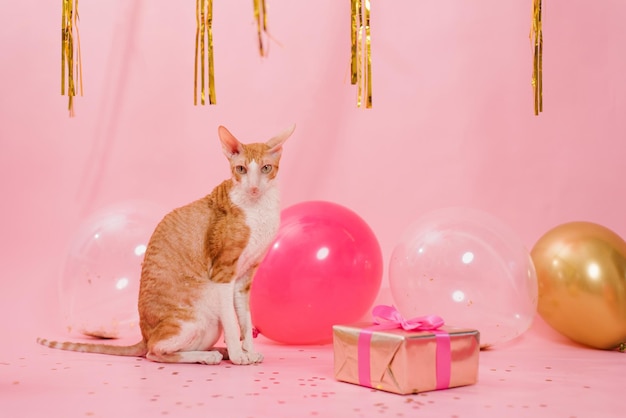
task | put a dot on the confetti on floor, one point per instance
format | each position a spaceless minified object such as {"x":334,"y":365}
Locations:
{"x":538,"y":375}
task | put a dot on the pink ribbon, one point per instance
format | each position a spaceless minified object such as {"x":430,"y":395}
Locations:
{"x":388,"y":317}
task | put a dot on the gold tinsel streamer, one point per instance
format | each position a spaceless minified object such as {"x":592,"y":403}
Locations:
{"x":361,"y":62}
{"x":71,"y":67}
{"x":204,"y":54}
{"x":536,"y":36}
{"x":260,"y":15}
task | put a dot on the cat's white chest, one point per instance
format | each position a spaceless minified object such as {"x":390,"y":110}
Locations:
{"x":263,"y":219}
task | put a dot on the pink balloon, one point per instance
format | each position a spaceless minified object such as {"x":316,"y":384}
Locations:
{"x":323,"y":268}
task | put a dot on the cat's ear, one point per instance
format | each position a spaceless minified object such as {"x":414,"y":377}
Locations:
{"x":276,"y":143}
{"x":230,"y":145}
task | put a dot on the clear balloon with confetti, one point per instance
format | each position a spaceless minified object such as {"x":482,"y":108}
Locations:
{"x":99,"y":285}
{"x":468,"y":267}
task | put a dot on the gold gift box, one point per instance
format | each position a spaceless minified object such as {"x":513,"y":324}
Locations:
{"x":405,"y":362}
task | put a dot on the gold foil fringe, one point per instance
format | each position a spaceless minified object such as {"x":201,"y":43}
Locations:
{"x":260,"y":16}
{"x":536,"y":37}
{"x":361,"y":60}
{"x":71,"y":66}
{"x":204,"y":53}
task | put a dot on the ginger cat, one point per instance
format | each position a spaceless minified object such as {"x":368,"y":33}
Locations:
{"x":199,"y":264}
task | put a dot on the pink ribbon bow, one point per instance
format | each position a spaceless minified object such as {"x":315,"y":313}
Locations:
{"x":387,"y":317}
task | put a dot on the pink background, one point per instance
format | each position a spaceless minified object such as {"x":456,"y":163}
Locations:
{"x":452,"y":124}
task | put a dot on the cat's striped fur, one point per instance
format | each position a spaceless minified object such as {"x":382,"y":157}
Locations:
{"x":199,"y":265}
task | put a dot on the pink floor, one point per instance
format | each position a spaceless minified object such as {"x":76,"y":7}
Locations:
{"x":538,"y":375}
{"x":452,"y":124}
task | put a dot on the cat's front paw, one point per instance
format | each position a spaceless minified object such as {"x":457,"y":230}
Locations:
{"x":245,"y":357}
{"x":210,"y":357}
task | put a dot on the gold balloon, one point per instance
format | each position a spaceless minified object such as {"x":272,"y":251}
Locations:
{"x":581,"y":272}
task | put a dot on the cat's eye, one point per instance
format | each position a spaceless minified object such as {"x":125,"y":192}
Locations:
{"x":240,"y":169}
{"x":266,"y":168}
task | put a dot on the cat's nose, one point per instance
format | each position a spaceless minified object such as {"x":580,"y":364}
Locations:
{"x":254,"y":190}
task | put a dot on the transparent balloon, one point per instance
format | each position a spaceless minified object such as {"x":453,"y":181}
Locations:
{"x":323,"y":268}
{"x":100,"y":281}
{"x":468,"y":267}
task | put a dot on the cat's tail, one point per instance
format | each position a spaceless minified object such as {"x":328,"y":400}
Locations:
{"x":136,"y":350}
